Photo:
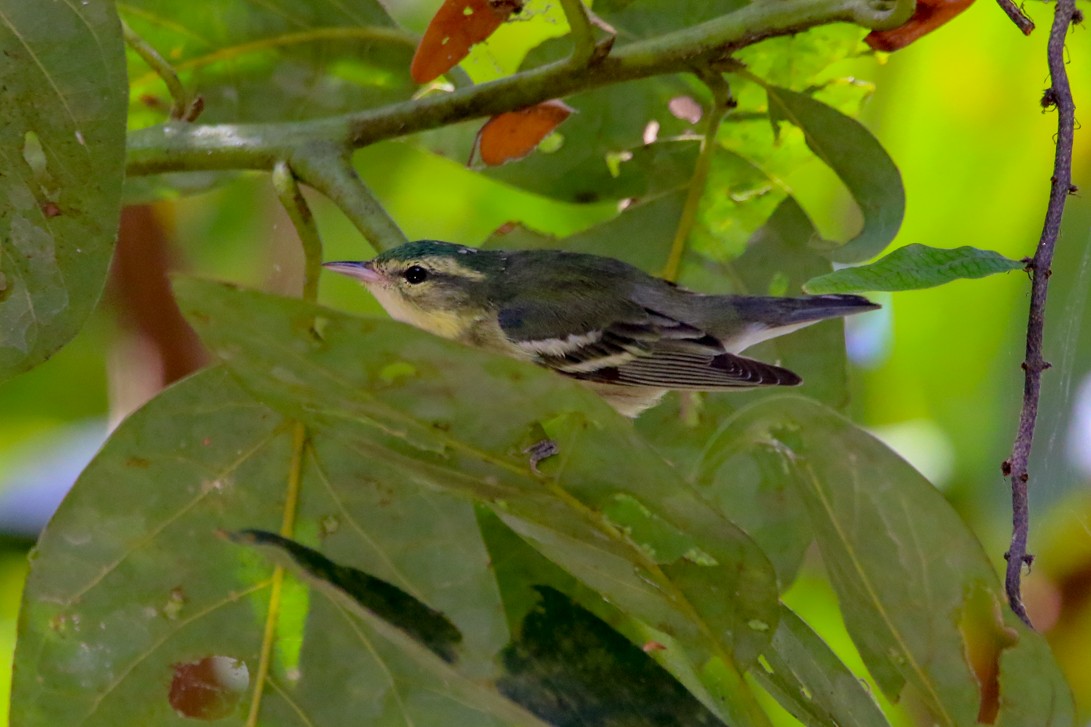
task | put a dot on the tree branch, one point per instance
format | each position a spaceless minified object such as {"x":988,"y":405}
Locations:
{"x":177,"y":147}
{"x":1059,"y":94}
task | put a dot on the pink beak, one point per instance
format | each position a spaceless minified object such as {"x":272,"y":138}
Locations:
{"x":362,"y":271}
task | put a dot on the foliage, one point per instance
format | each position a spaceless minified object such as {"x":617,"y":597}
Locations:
{"x":437,"y":578}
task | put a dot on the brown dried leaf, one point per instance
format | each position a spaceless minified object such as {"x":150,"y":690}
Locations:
{"x":455,"y":28}
{"x":515,"y":134}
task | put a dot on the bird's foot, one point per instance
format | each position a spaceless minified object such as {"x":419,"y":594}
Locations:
{"x":538,"y":451}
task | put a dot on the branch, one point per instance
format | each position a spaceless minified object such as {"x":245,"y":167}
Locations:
{"x":1059,"y":94}
{"x":1021,"y":19}
{"x":182,"y":107}
{"x":175,"y":147}
{"x":329,"y":170}
{"x":299,"y":212}
{"x":583,"y":33}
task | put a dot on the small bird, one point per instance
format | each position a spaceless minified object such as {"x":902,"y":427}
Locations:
{"x":629,"y":336}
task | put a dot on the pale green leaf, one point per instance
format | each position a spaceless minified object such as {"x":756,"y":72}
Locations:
{"x":913,"y":267}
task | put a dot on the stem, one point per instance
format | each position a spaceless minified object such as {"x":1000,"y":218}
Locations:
{"x":583,"y":34}
{"x":287,"y":529}
{"x":1060,"y":95}
{"x":718,"y":107}
{"x":180,"y":108}
{"x":295,"y":204}
{"x":329,"y":170}
{"x":173,"y":147}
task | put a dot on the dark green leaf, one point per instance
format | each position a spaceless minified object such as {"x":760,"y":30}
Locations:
{"x":390,"y":603}
{"x":62,"y":149}
{"x":913,"y":267}
{"x":858,"y":159}
{"x":571,"y":669}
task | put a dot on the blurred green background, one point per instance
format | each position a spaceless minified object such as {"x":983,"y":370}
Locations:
{"x":937,"y":377}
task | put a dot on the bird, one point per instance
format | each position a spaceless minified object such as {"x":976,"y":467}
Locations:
{"x":627,"y":335}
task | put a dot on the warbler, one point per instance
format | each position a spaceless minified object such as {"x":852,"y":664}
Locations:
{"x":629,"y":336}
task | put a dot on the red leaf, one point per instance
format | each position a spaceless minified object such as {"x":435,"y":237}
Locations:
{"x":455,"y":28}
{"x":515,"y":134}
{"x":929,"y":15}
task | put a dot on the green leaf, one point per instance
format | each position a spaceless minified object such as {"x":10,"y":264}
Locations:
{"x":62,"y":149}
{"x":913,"y":267}
{"x":130,"y":578}
{"x":858,"y":159}
{"x":423,"y":410}
{"x":917,"y":593}
{"x":270,"y":61}
{"x":808,"y":679}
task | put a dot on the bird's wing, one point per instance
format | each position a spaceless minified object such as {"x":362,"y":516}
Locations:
{"x":632,"y":346}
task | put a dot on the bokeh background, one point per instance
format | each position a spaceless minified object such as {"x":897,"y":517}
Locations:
{"x":937,"y":376}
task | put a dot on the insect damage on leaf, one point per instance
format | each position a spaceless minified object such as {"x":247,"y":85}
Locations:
{"x":456,"y":27}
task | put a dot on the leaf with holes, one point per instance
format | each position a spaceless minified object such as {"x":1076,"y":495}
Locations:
{"x":62,"y":147}
{"x":455,"y":28}
{"x":515,"y":134}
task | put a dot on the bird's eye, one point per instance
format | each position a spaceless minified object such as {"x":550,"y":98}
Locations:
{"x":415,"y":274}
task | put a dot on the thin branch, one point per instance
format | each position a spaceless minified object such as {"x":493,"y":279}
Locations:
{"x":295,"y":204}
{"x":1059,"y":94}
{"x":182,"y":107}
{"x":329,"y":170}
{"x":1021,"y":19}
{"x":719,"y":105}
{"x":583,"y":33}
{"x":259,"y":146}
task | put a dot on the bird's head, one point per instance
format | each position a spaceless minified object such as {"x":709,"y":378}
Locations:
{"x":433,"y":285}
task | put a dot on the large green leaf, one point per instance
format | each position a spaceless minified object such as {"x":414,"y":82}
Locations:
{"x":62,"y":147}
{"x":130,"y":579}
{"x":423,"y":410}
{"x":274,"y":60}
{"x":858,"y":159}
{"x":918,"y":595}
{"x":913,"y":267}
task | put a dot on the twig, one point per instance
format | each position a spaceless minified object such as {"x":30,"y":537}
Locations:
{"x":583,"y":33}
{"x":1021,"y":19}
{"x":182,"y":107}
{"x":719,"y":105}
{"x":330,"y":171}
{"x":1059,"y":94}
{"x":295,"y":204}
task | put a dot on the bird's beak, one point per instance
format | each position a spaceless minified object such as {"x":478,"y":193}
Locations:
{"x":362,"y":271}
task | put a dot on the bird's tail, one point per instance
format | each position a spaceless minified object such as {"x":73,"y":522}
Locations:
{"x":783,"y":312}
